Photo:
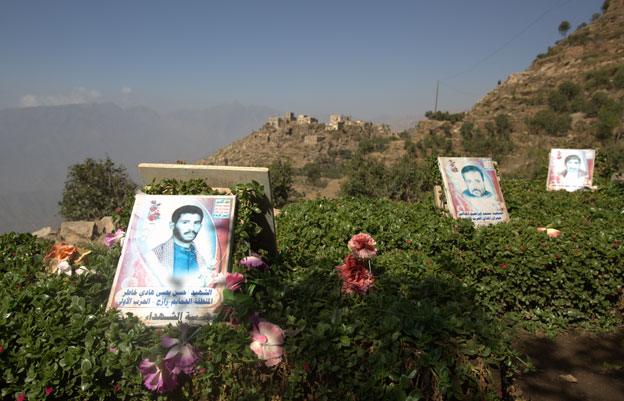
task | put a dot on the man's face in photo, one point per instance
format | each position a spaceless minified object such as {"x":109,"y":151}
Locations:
{"x":474,"y":183}
{"x":187,"y":227}
{"x":573,"y":164}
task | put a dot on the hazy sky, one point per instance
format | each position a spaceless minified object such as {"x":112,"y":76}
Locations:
{"x":357,"y":57}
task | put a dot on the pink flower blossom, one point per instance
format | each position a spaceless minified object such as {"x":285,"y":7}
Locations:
{"x":156,"y":377}
{"x":111,"y":239}
{"x":253,"y":262}
{"x":180,"y":357}
{"x":268,"y":342}
{"x":233,"y":281}
{"x":20,"y":397}
{"x":363,"y":246}
{"x":356,"y":278}
{"x":48,"y":390}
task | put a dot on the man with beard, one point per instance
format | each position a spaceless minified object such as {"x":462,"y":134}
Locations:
{"x":178,"y":254}
{"x":475,"y":182}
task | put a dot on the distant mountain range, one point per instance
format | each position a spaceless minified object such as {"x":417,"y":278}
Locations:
{"x":38,"y":144}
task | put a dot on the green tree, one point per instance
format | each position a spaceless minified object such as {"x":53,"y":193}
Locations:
{"x":281,"y":173}
{"x":312,"y":172}
{"x":564,"y":27}
{"x":94,"y":189}
{"x":365,"y":176}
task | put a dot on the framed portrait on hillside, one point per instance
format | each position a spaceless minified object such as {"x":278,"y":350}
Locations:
{"x":472,"y":190}
{"x":176,"y":250}
{"x":570,"y":169}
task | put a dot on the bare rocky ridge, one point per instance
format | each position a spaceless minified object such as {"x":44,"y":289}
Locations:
{"x":301,"y":139}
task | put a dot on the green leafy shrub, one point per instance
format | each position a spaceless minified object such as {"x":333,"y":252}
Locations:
{"x":618,"y":78}
{"x":312,"y":172}
{"x":365,"y":176}
{"x":495,"y":141}
{"x":445,"y":116}
{"x":550,"y":123}
{"x":608,"y":77}
{"x":94,"y":189}
{"x":281,"y":172}
{"x":407,"y":179}
{"x":373,"y":144}
{"x":566,"y":98}
{"x":608,"y":119}
{"x":436,"y":142}
{"x":518,"y":273}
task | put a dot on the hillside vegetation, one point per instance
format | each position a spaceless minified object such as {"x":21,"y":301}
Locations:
{"x":571,"y":96}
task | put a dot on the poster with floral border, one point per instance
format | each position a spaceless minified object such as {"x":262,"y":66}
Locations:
{"x":472,"y":190}
{"x":176,"y":251}
{"x":570,"y":169}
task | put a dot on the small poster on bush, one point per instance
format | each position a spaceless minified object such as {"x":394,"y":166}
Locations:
{"x":570,"y":169}
{"x":472,"y":190}
{"x":176,"y":248}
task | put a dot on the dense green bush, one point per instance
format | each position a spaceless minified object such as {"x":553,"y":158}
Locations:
{"x":94,"y":189}
{"x":373,"y":144}
{"x":549,"y":123}
{"x":495,"y":141}
{"x":435,"y":142}
{"x":566,"y":98}
{"x":608,"y":77}
{"x":281,"y":172}
{"x":618,"y":78}
{"x":407,"y":179}
{"x":607,"y":121}
{"x":445,"y":116}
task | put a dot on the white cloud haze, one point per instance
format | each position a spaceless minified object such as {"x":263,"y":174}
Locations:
{"x":75,"y":96}
{"x":126,"y":90}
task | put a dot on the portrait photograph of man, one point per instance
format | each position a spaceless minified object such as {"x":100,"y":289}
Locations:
{"x":472,"y":189}
{"x":175,"y":249}
{"x":570,"y":169}
{"x":179,"y":254}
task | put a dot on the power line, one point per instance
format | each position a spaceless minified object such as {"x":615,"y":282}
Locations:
{"x":462,"y":92}
{"x":504,"y":45}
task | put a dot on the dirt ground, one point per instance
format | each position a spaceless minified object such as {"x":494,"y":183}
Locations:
{"x":594,"y":360}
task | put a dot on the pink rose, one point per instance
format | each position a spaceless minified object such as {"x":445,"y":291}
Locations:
{"x":363,"y":246}
{"x":356,"y":278}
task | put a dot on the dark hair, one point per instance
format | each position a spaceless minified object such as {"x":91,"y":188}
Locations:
{"x":191,"y":209}
{"x":571,"y":157}
{"x":469,"y":168}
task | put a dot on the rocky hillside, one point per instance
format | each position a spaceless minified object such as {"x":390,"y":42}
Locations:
{"x":308,"y":145}
{"x":571,"y":96}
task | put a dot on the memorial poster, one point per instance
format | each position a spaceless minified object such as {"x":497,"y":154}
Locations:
{"x":570,"y":169}
{"x":472,"y":190}
{"x":175,"y":249}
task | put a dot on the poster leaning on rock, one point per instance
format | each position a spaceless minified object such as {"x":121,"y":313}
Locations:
{"x":176,"y":253}
{"x":472,"y":190}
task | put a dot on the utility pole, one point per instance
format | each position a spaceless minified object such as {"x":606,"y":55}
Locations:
{"x":435,"y":108}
